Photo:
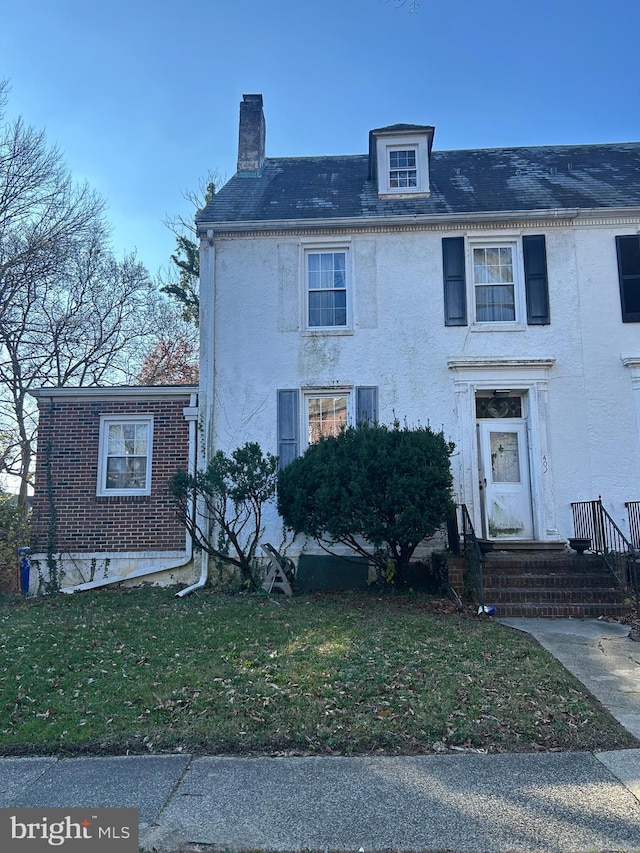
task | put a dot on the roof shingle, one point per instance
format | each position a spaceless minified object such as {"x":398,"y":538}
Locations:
{"x":468,"y":181}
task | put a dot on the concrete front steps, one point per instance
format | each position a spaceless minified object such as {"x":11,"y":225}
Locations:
{"x":548,"y":583}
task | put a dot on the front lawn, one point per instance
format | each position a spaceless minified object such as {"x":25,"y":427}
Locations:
{"x":140,"y":670}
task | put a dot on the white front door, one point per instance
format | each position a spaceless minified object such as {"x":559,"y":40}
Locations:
{"x":504,"y":479}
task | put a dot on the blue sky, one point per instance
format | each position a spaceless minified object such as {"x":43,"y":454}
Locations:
{"x":142,"y":97}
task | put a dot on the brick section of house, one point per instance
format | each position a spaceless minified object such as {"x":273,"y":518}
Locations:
{"x":65,"y":503}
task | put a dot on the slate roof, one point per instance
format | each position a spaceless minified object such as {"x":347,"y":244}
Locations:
{"x":462,"y":182}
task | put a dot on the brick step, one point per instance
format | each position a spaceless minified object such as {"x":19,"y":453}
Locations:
{"x":539,"y":568}
{"x":552,"y":596}
{"x":542,"y":557}
{"x":592,"y":580}
{"x":589,"y":611}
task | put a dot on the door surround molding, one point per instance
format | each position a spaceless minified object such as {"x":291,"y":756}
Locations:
{"x":530,"y":376}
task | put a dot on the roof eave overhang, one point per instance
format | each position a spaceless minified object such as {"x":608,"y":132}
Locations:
{"x":209,"y":229}
{"x":115,"y":392}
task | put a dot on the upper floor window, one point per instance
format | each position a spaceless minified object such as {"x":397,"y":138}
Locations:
{"x":628,"y":249}
{"x":402,"y":163}
{"x":124,"y":464}
{"x":327,"y":283}
{"x":500,"y":284}
{"x":494,"y":284}
{"x":403,"y":168}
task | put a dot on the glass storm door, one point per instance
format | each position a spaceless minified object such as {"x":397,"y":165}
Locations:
{"x":504,"y":479}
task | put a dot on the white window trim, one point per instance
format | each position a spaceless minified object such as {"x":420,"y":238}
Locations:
{"x":105,"y":422}
{"x":320,"y":248}
{"x":517,"y":325}
{"x":313,"y":393}
{"x":385,"y":145}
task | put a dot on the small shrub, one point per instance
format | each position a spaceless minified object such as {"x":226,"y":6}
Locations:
{"x":222,"y":506}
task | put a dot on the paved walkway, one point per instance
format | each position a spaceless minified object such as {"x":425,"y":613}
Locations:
{"x":524,"y":803}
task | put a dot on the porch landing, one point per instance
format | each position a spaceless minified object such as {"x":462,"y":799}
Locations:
{"x":532,"y":545}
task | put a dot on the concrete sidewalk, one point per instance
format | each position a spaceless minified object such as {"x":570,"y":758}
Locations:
{"x":555,"y":802}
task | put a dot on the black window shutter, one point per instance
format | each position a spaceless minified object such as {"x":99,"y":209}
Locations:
{"x":366,"y":404}
{"x":288,"y":425}
{"x":455,"y":291}
{"x":628,"y":249}
{"x":536,"y":281}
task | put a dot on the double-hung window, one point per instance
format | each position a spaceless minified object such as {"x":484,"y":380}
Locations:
{"x":124,"y":464}
{"x":327,"y":288}
{"x":500,"y":284}
{"x":494,"y":284}
{"x":403,"y":168}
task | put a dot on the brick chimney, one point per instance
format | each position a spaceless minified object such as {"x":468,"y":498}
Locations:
{"x":251,"y":138}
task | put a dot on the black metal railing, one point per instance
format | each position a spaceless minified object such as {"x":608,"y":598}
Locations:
{"x":592,"y":521}
{"x":633,"y":510}
{"x":473,"y":555}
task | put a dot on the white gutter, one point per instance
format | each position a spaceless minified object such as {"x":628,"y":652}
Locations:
{"x":574,"y":214}
{"x":112,"y":392}
{"x":191,"y":415}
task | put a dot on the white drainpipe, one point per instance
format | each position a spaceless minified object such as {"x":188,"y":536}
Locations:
{"x":206,"y":379}
{"x":204,"y":572}
{"x":191,"y":416}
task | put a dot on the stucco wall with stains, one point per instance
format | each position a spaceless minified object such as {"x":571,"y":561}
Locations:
{"x":586,"y":399}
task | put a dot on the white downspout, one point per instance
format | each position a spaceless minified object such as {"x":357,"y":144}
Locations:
{"x":206,"y":379}
{"x":191,"y":415}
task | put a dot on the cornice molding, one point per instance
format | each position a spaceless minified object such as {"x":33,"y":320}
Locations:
{"x":500,"y":363}
{"x":624,"y":217}
{"x":632,"y":361}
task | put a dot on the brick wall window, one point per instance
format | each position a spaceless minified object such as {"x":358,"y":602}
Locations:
{"x":68,"y":474}
{"x":124,"y":455}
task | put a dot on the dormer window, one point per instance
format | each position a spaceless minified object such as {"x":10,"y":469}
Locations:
{"x":403,"y":168}
{"x":399,"y":160}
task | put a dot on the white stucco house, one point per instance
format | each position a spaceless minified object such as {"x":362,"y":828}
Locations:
{"x":492,"y":293}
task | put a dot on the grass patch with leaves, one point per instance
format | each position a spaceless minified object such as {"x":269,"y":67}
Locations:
{"x":140,"y":670}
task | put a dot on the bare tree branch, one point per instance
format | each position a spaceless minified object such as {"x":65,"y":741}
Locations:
{"x":70,"y":313}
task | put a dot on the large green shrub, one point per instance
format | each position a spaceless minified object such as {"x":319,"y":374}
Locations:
{"x":379,"y":490}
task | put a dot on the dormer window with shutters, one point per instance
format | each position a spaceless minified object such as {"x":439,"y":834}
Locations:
{"x":399,"y":160}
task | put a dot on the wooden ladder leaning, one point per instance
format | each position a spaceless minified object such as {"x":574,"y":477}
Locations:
{"x":281,"y":571}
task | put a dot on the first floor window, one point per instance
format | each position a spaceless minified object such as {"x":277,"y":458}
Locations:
{"x":305,"y":415}
{"x":326,"y":289}
{"x":326,"y":415}
{"x":125,"y":456}
{"x":494,"y":284}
